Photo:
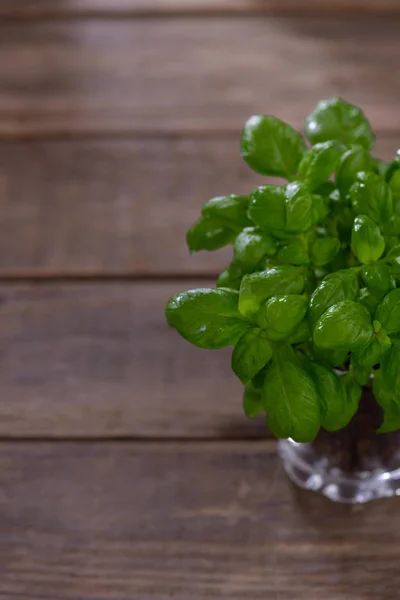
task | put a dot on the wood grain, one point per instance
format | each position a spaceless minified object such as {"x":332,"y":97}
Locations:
{"x":112,"y":207}
{"x":155,"y":521}
{"x":22,"y":9}
{"x":93,"y":360}
{"x":116,"y":207}
{"x":99,"y":77}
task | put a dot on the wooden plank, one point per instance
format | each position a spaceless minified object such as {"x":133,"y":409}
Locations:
{"x":112,"y":207}
{"x":116,"y":207}
{"x":22,"y":9}
{"x":157,"y":521}
{"x":99,"y":360}
{"x":95,"y":77}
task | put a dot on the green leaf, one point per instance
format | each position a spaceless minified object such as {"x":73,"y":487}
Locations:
{"x":330,"y":358}
{"x":301,"y":334}
{"x":386,"y":388}
{"x":336,"y":287}
{"x":393,"y":257}
{"x":379,"y":166}
{"x":367,"y":241}
{"x":341,"y":223}
{"x":311,"y":281}
{"x":320,"y":208}
{"x":344,"y":326}
{"x":393,"y":254}
{"x":354,"y":161}
{"x":365,"y":359}
{"x":395,"y":189}
{"x":378,"y":279}
{"x":294,"y":253}
{"x":392,"y":227}
{"x":391,"y":241}
{"x":372,"y":196}
{"x":386,"y":383}
{"x":290,"y":398}
{"x":271,"y":147}
{"x":330,"y":190}
{"x":369,"y":300}
{"x":267,"y":207}
{"x":252,"y":401}
{"x":206,"y":234}
{"x":231,"y":278}
{"x":392,"y":167}
{"x":339,"y":263}
{"x":208,"y":318}
{"x":222,"y":218}
{"x":230,"y":211}
{"x":388,"y":312}
{"x":335,"y":119}
{"x":337,"y":409}
{"x":258,"y":380}
{"x":258,"y":287}
{"x":280,"y":316}
{"x":353,"y":392}
{"x":324,"y":250}
{"x":251,"y":353}
{"x":391,"y":419}
{"x":318,"y":163}
{"x":251,"y":246}
{"x":301,"y":212}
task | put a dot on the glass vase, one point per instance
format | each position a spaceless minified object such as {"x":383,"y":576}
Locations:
{"x":354,"y":465}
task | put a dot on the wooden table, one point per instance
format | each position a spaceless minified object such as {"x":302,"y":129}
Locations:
{"x":127,"y":470}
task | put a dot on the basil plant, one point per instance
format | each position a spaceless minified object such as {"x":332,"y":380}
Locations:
{"x":310,"y":302}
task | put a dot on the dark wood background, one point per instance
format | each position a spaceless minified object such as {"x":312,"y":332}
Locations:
{"x":127,"y":469}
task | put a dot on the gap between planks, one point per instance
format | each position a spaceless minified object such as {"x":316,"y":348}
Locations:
{"x":96,"y":361}
{"x":125,"y":9}
{"x":140,"y":440}
{"x":81,"y":212}
{"x":147,"y":14}
{"x":185,"y":520}
{"x":190,"y":75}
{"x":42,"y":278}
{"x":211,"y":134}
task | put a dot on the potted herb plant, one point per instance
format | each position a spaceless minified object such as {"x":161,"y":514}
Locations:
{"x":310,"y":300}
